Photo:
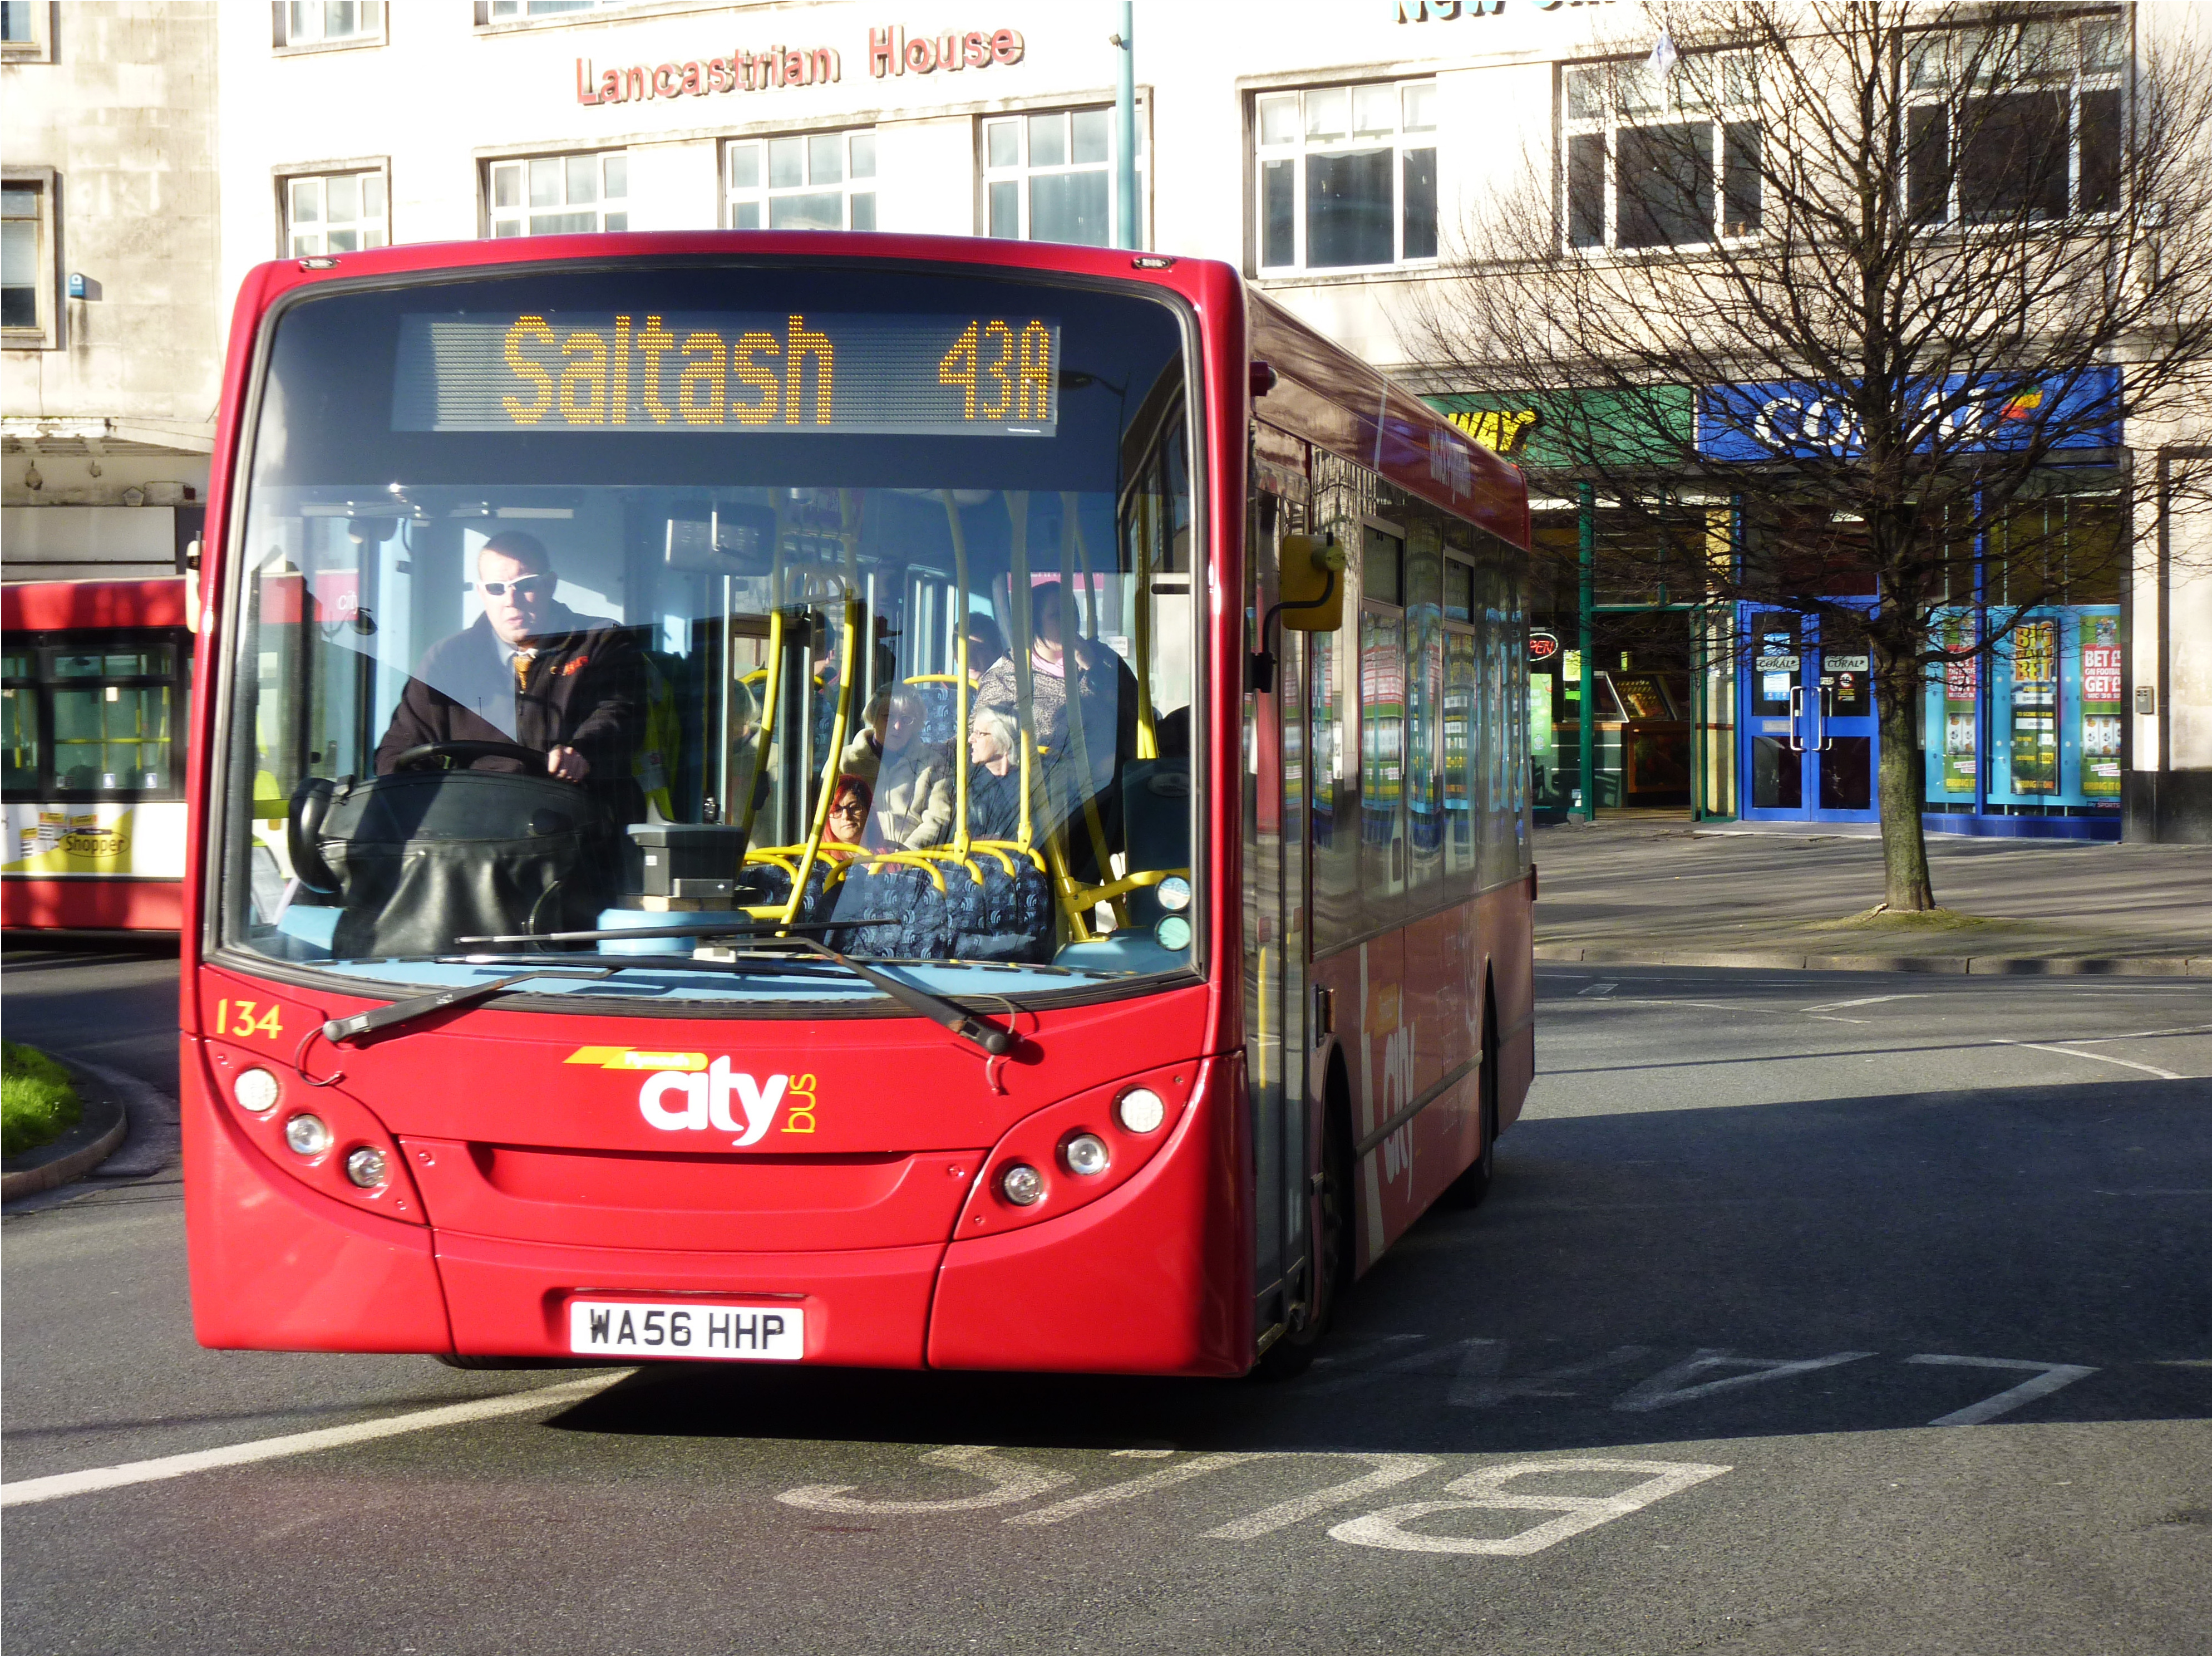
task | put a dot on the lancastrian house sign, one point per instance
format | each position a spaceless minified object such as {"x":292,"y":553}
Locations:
{"x":891,"y":51}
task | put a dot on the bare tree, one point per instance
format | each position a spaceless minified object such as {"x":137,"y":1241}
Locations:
{"x":1867,"y":270}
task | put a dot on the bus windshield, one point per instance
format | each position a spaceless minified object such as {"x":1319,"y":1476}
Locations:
{"x":578,"y":603}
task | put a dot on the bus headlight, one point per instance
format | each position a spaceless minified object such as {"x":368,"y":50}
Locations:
{"x":1140,"y":1109}
{"x":1086,"y":1155}
{"x":1022,"y":1184}
{"x":255,"y":1090}
{"x":308,"y":1135}
{"x":368,"y":1168}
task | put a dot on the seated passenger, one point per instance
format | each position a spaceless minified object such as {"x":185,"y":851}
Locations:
{"x":863,"y":757}
{"x":848,"y":813}
{"x":914,"y":791}
{"x":987,"y":646}
{"x":994,"y":780}
{"x":1064,"y":669}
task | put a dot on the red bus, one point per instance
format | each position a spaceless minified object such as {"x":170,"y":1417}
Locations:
{"x":92,"y":707}
{"x":756,"y":797}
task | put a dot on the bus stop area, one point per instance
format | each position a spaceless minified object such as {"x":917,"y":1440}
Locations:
{"x":1643,"y":890}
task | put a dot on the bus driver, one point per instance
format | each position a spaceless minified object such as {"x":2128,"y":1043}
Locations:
{"x":533,"y":673}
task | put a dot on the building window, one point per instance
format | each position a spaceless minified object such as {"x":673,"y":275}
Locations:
{"x":1051,"y":176}
{"x":25,"y":31}
{"x":308,"y":23}
{"x":813,"y":181}
{"x":1651,"y":162}
{"x":1347,"y":176}
{"x":516,"y":11}
{"x":2021,"y":123}
{"x":561,"y":195}
{"x":27,"y":263}
{"x":334,"y":213}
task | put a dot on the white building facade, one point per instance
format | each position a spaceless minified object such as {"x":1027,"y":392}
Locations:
{"x":1327,"y":148}
{"x":110,"y":354}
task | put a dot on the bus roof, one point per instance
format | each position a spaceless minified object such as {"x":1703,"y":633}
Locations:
{"x":1331,"y":399}
{"x":81,"y":606}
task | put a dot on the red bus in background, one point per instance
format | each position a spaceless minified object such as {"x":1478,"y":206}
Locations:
{"x":1157,"y":967}
{"x":93,"y":711}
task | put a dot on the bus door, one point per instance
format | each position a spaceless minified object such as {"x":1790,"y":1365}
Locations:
{"x":1275,"y":942}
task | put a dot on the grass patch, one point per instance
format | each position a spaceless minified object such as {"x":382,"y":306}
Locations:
{"x":37,"y":1103}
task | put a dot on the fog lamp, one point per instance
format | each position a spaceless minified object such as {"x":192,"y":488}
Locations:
{"x":1174,"y":892}
{"x":255,"y":1090}
{"x":308,"y":1135}
{"x":1022,"y":1184}
{"x":367,"y":1167}
{"x":1086,"y":1153}
{"x":1140,"y":1109}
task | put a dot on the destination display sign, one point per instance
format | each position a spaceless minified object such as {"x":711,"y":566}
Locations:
{"x":732,"y":371}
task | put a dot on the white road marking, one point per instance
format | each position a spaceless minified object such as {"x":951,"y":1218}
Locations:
{"x":1010,"y":1482}
{"x":1867,"y":1001}
{"x":1598,"y":988}
{"x":1434,"y":1359}
{"x":2048,"y":1379}
{"x":1478,"y":1385}
{"x":2093,"y":1057}
{"x":2139,"y":1035}
{"x":25,"y":1491}
{"x":1389,"y":1470}
{"x":1131,"y":1489}
{"x":1486,"y":1490}
{"x":1666,"y":1388}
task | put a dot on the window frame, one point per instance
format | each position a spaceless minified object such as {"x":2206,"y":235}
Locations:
{"x":1721,"y":119}
{"x":285,"y":45}
{"x":487,"y":16}
{"x":763,"y":195}
{"x":2080,"y":80}
{"x":491,"y":216}
{"x":379,"y":168}
{"x":1023,"y":171}
{"x":42,"y":682}
{"x":1303,"y":146}
{"x":45,"y":334}
{"x":38,"y":48}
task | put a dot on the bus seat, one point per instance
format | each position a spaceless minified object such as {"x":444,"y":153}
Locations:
{"x":895,"y":910}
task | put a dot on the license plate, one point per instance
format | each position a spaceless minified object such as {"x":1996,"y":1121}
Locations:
{"x":637,"y":1328}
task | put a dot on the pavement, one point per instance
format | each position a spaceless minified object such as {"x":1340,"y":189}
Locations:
{"x":1647,"y":890}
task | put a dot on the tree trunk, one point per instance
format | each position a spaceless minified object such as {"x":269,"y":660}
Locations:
{"x":1897,"y":790}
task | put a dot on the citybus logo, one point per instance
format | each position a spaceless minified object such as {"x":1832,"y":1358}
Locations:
{"x":684,"y":1091}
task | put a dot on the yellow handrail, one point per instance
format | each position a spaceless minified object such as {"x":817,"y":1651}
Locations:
{"x":849,"y":535}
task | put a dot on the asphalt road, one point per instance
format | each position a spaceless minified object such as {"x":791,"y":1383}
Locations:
{"x":1887,"y":1300}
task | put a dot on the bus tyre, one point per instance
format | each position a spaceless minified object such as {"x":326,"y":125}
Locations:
{"x":1472,"y":1186}
{"x":1293,"y":1352}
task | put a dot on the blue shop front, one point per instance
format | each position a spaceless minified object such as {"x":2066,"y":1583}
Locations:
{"x":2020,"y":737}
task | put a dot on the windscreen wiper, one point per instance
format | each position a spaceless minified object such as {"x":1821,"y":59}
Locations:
{"x":422,"y":1006}
{"x":994,"y":1038}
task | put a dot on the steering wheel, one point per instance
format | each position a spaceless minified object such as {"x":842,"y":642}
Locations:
{"x":468,"y":752}
{"x":303,"y":827}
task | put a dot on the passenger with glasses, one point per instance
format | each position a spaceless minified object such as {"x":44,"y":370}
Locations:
{"x":530,"y":672}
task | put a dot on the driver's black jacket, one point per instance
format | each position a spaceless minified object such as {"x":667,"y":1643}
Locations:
{"x":585,"y":689}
